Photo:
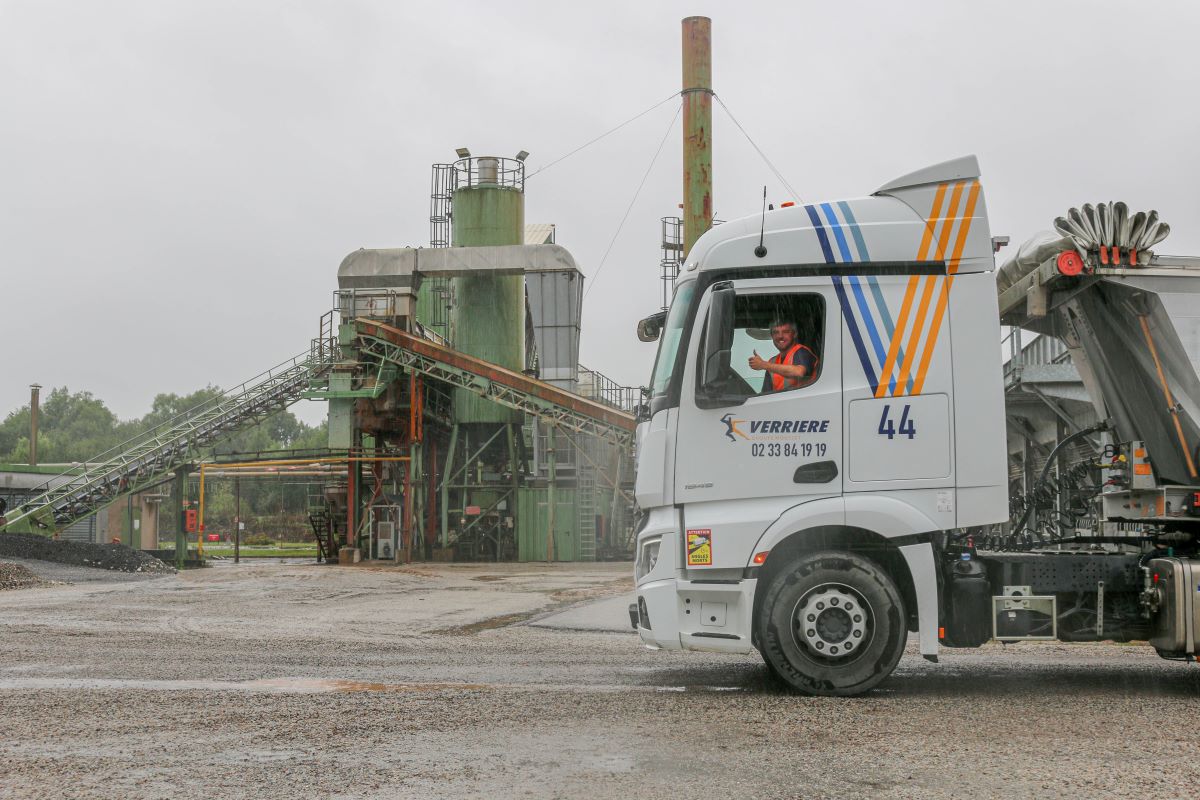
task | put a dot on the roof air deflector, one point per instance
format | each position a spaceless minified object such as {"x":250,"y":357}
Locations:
{"x":956,"y":169}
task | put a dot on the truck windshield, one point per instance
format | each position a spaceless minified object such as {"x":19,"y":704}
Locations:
{"x":668,"y":341}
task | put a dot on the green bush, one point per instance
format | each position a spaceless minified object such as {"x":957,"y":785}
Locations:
{"x":257,"y":539}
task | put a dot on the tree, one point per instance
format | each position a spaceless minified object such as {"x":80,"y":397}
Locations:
{"x":71,"y":427}
{"x":14,"y":428}
{"x":79,"y":427}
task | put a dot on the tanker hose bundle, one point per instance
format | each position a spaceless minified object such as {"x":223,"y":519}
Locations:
{"x":1109,"y":230}
{"x":1104,"y":234}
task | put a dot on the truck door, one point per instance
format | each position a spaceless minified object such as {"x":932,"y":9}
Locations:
{"x":750,"y":446}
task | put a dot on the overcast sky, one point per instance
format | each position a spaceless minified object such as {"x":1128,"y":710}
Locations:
{"x":179,"y":180}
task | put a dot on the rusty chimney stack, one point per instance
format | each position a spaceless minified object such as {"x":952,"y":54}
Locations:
{"x":34,"y":388}
{"x":697,"y":129}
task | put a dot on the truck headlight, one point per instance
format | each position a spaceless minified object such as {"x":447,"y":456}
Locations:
{"x":647,"y":557}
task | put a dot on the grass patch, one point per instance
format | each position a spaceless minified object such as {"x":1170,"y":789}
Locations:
{"x":248,"y":551}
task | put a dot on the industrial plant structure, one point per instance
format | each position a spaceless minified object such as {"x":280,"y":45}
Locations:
{"x":455,"y":375}
{"x":461,"y":424}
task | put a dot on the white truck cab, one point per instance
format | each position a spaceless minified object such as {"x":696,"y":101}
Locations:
{"x":803,"y":521}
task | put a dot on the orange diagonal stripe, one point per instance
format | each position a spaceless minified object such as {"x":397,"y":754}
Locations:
{"x":931,"y":222}
{"x":959,"y":244}
{"x":968,"y":217}
{"x":931,"y":340}
{"x":898,"y":334}
{"x":944,"y":239}
{"x":914,"y":338}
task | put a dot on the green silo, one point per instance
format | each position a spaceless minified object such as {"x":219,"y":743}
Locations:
{"x":488,"y":317}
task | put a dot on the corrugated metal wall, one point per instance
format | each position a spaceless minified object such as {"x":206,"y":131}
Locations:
{"x":555,"y":302}
{"x":533,"y":515}
{"x":82,"y":531}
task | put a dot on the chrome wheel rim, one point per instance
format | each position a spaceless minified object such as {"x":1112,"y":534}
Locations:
{"x":832,"y":622}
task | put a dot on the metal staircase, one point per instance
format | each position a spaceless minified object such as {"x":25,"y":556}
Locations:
{"x":325,"y":532}
{"x":145,"y":460}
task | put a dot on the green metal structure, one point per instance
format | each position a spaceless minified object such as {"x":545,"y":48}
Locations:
{"x":515,"y":457}
{"x":486,"y":466}
{"x":488,"y":318}
{"x":487,"y":321}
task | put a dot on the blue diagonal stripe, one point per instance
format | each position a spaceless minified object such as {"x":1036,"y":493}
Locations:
{"x":843,"y":248}
{"x":852,"y":326}
{"x":876,"y":342}
{"x":822,"y":237}
{"x":884,"y":314}
{"x":843,"y":300}
{"x":867,"y":317}
{"x":854,"y":231}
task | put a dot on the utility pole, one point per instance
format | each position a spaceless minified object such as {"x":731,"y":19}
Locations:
{"x":181,"y":478}
{"x":552,"y":474}
{"x":129,"y":538}
{"x":34,"y":389}
{"x":697,"y":130}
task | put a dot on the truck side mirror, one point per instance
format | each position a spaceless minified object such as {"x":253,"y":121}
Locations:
{"x":718,"y":339}
{"x":650,"y":327}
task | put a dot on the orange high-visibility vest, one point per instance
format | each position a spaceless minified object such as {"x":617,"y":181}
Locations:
{"x":779,"y":382}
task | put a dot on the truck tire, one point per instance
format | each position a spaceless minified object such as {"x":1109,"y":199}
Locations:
{"x":832,"y":624}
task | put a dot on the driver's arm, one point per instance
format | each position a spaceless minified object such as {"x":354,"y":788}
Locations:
{"x":786,"y":370}
{"x":793,"y":371}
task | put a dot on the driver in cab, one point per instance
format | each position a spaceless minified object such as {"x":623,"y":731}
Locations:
{"x":793,"y":367}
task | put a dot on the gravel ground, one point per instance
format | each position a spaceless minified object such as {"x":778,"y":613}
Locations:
{"x":284,"y":681}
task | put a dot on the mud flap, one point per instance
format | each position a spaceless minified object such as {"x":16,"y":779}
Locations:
{"x":919,"y":558}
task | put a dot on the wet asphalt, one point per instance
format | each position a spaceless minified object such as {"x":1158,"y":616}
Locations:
{"x":297,"y":680}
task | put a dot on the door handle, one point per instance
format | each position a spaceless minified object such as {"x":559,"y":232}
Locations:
{"x":816,"y":472}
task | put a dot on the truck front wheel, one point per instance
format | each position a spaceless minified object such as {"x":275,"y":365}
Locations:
{"x":832,"y":624}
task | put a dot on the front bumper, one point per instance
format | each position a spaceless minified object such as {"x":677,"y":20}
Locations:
{"x":675,"y":614}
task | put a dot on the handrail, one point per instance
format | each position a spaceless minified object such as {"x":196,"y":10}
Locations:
{"x":121,"y":469}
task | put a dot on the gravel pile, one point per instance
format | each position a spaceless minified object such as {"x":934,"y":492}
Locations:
{"x":115,"y":557}
{"x":17,"y":576}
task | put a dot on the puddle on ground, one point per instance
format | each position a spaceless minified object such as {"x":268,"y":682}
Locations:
{"x":266,"y":685}
{"x":486,"y":625}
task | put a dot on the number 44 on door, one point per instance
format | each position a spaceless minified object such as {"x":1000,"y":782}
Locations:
{"x":906,"y":426}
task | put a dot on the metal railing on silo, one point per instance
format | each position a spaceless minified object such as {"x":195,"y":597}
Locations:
{"x":489,"y":171}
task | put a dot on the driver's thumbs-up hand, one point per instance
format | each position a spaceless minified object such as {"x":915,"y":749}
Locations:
{"x":756,"y":362}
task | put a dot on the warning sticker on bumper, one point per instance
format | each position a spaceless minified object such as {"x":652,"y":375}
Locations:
{"x":699,"y":547}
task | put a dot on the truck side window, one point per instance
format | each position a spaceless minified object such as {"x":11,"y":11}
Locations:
{"x":778,"y":341}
